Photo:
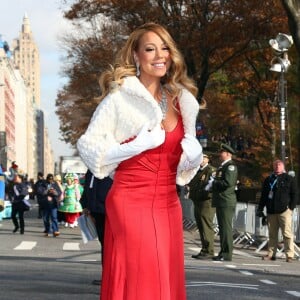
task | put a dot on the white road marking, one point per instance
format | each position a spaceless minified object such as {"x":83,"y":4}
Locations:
{"x":71,"y":247}
{"x":294,"y":293}
{"x":74,"y":260}
{"x":194,"y":249}
{"x":223,"y":284}
{"x":246,"y":273}
{"x":231,"y":266}
{"x":267,"y":281}
{"x":26,"y":245}
{"x":261,"y":265}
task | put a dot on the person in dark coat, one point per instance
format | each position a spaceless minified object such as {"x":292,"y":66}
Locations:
{"x":203,"y":210}
{"x":19,"y":200}
{"x":51,"y":193}
{"x":93,"y":201}
{"x":38,"y":187}
{"x":279,"y":196}
{"x":224,"y":199}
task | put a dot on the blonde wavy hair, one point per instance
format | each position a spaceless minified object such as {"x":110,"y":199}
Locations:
{"x":125,"y":64}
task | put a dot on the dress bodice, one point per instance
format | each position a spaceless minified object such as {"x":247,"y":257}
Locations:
{"x":163,"y":158}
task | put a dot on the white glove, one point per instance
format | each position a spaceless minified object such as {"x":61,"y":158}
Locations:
{"x":210,"y":183}
{"x":193,"y":151}
{"x":145,"y":140}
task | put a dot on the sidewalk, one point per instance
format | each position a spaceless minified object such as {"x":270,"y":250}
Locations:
{"x":244,"y":258}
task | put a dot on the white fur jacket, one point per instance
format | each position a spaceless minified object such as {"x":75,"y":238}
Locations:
{"x":121,"y":115}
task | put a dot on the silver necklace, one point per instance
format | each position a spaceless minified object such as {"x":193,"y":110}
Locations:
{"x":163,"y":103}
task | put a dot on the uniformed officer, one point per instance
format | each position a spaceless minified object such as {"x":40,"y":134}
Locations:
{"x":203,"y":210}
{"x":224,"y":199}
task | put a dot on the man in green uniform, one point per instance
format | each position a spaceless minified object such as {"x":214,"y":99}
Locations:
{"x":224,"y":199}
{"x":203,"y":210}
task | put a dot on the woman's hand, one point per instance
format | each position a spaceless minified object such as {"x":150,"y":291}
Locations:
{"x":193,"y":151}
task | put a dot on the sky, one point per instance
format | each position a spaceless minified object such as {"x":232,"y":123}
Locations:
{"x":47,"y":24}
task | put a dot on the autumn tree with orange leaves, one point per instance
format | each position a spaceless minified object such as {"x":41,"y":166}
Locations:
{"x":225,"y":45}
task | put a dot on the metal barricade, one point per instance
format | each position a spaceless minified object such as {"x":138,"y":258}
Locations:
{"x":247,"y":226}
{"x":187,"y":206}
{"x":244,"y":224}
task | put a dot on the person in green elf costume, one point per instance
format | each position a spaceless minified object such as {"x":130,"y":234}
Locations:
{"x":70,"y":205}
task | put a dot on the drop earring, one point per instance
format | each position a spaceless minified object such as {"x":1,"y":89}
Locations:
{"x":138,"y":72}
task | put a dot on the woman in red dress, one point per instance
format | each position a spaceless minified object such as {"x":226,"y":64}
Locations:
{"x":143,"y":134}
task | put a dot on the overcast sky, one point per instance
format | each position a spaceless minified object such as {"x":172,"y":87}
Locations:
{"x":47,"y":24}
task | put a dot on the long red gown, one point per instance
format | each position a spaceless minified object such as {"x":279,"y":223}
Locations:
{"x":143,"y":252}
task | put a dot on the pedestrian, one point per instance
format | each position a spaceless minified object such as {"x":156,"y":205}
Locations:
{"x":78,"y":183}
{"x":93,"y":204}
{"x":223,"y":187}
{"x":60,"y":215}
{"x":31,"y":188}
{"x":279,"y":196}
{"x":19,"y":202}
{"x":10,"y":175}
{"x":143,"y":132}
{"x":203,"y":210}
{"x":70,"y":205}
{"x":51,"y":194}
{"x":39,"y":187}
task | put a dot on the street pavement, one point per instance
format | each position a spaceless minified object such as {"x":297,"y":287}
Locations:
{"x":62,"y":267}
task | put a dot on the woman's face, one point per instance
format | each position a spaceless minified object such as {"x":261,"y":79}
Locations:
{"x":153,"y":56}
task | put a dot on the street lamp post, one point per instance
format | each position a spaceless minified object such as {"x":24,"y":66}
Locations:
{"x":282,"y":113}
{"x":280,"y":63}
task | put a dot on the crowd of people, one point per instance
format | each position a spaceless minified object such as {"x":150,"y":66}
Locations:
{"x":58,"y":200}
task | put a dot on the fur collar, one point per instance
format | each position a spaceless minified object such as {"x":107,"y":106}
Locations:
{"x":189,"y":107}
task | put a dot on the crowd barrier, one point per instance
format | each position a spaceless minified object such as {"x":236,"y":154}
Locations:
{"x":247,"y":227}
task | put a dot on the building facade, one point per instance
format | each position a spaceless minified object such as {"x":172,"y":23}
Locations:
{"x":23,"y":134}
{"x":27,"y":59}
{"x":7,"y":108}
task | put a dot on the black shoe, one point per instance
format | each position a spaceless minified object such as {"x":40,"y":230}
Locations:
{"x":221,"y":258}
{"x":201,"y":255}
{"x":16,"y":229}
{"x":218,"y":258}
{"x":96,"y":282}
{"x":22,"y":231}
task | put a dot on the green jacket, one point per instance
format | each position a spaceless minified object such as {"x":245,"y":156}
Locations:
{"x":224,"y":185}
{"x":198,"y":183}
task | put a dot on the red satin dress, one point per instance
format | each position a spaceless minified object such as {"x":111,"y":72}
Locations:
{"x":143,"y":252}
